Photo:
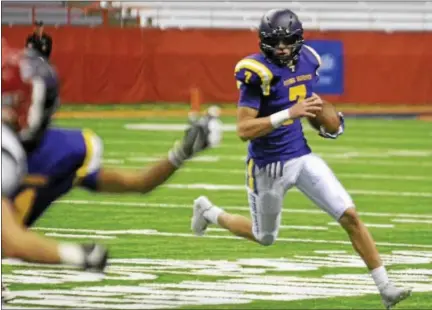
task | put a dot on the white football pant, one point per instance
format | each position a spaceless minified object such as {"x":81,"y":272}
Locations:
{"x":268,"y":185}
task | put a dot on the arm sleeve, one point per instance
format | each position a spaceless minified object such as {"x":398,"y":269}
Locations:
{"x":250,"y":96}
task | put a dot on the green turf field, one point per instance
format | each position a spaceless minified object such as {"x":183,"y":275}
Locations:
{"x":156,"y":263}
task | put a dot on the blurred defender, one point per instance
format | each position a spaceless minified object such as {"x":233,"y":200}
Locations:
{"x":273,"y":87}
{"x":63,"y":159}
{"x":67,"y":158}
{"x":29,"y":96}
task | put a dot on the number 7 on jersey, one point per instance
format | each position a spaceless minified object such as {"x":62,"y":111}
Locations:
{"x":297,"y":94}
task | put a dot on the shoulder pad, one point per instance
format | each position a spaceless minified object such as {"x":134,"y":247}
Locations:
{"x":312,"y":55}
{"x":253,"y":72}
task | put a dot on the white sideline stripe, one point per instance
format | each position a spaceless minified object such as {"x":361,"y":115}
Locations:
{"x":238,"y":208}
{"x":217,"y":187}
{"x":166,"y":234}
{"x":412,"y":221}
{"x":367,"y":225}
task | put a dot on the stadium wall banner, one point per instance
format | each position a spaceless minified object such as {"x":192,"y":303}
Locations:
{"x":131,"y":65}
{"x":331,"y":72}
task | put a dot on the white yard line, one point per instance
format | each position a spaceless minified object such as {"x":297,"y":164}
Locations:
{"x":226,"y":187}
{"x":367,"y":225}
{"x":79,"y":236}
{"x":330,"y":252}
{"x":233,"y":208}
{"x":242,"y":147}
{"x":342,"y":175}
{"x":412,"y":221}
{"x":350,"y":158}
{"x":172,"y":127}
{"x":351,"y":143}
{"x":232,"y":127}
{"x":356,"y":176}
{"x":288,"y":227}
{"x":298,"y":227}
{"x":188,"y":235}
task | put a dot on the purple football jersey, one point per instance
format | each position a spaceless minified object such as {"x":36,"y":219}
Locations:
{"x":64,"y":159}
{"x":268,"y":88}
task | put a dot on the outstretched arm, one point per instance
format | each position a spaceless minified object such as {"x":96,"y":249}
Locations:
{"x":19,"y":242}
{"x":112,"y":180}
{"x":201,"y":134}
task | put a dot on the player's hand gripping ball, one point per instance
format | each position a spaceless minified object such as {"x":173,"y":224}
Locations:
{"x":327,"y":117}
{"x":328,"y":122}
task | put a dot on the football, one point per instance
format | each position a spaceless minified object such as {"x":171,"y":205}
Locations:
{"x":327,"y":117}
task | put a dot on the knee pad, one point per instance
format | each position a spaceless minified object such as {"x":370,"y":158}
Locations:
{"x":266,"y":239}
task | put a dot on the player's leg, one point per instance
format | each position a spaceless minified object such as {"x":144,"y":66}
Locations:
{"x":318,"y":183}
{"x":265,"y":194}
{"x":205,"y":213}
{"x":19,"y":242}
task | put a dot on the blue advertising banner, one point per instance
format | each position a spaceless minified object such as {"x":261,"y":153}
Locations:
{"x":331,"y":81}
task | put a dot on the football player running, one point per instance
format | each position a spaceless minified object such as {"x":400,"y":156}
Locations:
{"x":29,"y":92}
{"x":276,"y":90}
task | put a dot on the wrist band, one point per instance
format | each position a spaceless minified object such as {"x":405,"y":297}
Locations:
{"x":278,"y":118}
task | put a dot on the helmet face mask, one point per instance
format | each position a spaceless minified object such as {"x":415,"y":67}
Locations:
{"x":280,"y":30}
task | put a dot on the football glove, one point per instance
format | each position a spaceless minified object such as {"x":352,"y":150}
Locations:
{"x":95,"y":257}
{"x":201,"y":133}
{"x":340,"y":131}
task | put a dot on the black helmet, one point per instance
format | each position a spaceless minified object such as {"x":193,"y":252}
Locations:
{"x":280,"y":25}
